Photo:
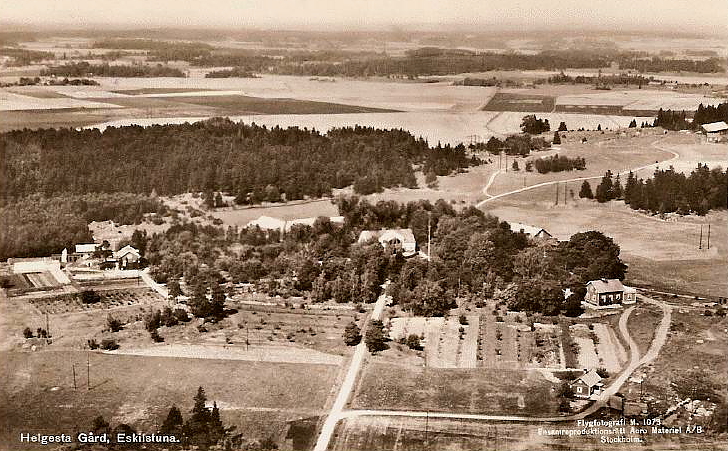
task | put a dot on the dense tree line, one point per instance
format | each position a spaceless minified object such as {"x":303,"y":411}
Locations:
{"x":710,"y":113}
{"x":558,"y":163}
{"x":670,"y":191}
{"x":235,"y":72}
{"x":678,"y":120}
{"x":620,"y":79}
{"x":255,"y":163}
{"x":437,"y":61}
{"x":24,"y":57}
{"x":520,"y":145}
{"x":86,"y":69}
{"x":39,"y":226}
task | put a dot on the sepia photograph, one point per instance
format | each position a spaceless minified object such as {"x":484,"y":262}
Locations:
{"x":316,"y":225}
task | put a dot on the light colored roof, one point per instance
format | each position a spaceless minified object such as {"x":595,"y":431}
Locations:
{"x":606,"y":285}
{"x":590,"y":378}
{"x":268,"y":223}
{"x":527,"y":229}
{"x":126,"y":250}
{"x":715,"y":127}
{"x":86,"y":248}
{"x":404,"y":235}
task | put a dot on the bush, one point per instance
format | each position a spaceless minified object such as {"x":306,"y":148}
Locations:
{"x":92,"y":344}
{"x":413,"y":342}
{"x":27,"y":333}
{"x":181,"y":315}
{"x":602,"y":372}
{"x":115,"y":325}
{"x":156,"y":337}
{"x":90,"y":297}
{"x":463,"y":320}
{"x":109,"y":344}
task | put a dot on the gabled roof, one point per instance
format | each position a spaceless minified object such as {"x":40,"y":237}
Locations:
{"x":86,"y":248}
{"x":527,"y":229}
{"x":126,"y":250}
{"x":606,"y":285}
{"x":590,"y":378}
{"x":715,"y":127}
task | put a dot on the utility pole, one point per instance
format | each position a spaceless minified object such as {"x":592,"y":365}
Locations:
{"x":708,"y":238}
{"x":557,"y":194}
{"x":73,"y":366}
{"x":48,"y":327}
{"x":565,"y":185}
{"x":88,"y":371}
{"x":700,"y":246}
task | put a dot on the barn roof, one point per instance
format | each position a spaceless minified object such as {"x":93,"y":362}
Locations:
{"x":715,"y":127}
{"x":606,"y":285}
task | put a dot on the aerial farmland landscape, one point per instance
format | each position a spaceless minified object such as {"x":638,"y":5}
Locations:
{"x":325,"y":226}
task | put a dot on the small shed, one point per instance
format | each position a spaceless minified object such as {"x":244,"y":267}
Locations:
{"x":588,"y":384}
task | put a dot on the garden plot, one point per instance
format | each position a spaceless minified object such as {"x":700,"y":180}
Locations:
{"x":445,"y":346}
{"x":609,"y":348}
{"x":588,"y":357}
{"x":547,"y":350}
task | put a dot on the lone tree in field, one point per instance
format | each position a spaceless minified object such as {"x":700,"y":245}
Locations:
{"x":514,"y":166}
{"x":586,"y":192}
{"x":534,"y":126}
{"x":376,"y":339}
{"x":557,"y":138}
{"x":352,"y":334}
{"x":562,"y":127}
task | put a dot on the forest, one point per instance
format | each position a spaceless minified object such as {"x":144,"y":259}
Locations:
{"x":473,"y":254}
{"x":669,"y":191}
{"x":39,"y":226}
{"x":251,"y":162}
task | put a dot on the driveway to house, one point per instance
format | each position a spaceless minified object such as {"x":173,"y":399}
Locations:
{"x":336,"y":413}
{"x":635,"y":362}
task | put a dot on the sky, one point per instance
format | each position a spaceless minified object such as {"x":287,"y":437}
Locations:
{"x":680,"y":15}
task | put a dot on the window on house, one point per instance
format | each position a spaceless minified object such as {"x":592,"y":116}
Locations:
{"x":578,"y":389}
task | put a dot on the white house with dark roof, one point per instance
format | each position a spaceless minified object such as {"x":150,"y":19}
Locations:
{"x":393,"y":239}
{"x":608,"y":293}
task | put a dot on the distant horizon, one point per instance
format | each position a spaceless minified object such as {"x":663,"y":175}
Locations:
{"x":617,"y":16}
{"x":496,"y":30}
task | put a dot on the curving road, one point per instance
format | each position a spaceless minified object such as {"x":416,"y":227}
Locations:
{"x":635,"y":362}
{"x":575,"y":179}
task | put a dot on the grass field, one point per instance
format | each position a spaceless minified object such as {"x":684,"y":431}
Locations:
{"x":642,"y":324}
{"x":37,"y":394}
{"x":496,"y":391}
{"x":240,"y":217}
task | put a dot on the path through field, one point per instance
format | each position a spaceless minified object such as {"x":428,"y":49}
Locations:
{"x":575,"y":179}
{"x":327,"y":430}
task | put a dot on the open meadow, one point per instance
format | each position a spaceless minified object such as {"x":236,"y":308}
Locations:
{"x":258,"y":397}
